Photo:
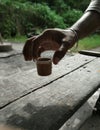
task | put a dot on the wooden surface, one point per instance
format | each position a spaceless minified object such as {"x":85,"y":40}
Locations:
{"x":33,"y":102}
{"x":90,"y":53}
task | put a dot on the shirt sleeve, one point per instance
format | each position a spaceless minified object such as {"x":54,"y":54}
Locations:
{"x":94,"y":5}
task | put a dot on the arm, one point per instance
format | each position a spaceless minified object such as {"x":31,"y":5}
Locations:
{"x":90,"y":21}
{"x":61,"y":40}
{"x":87,"y":24}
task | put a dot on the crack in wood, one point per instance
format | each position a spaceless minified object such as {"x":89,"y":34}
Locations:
{"x":45,"y":84}
{"x":10,"y":55}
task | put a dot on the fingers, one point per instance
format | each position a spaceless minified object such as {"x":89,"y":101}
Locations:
{"x":40,"y":50}
{"x":37,"y":49}
{"x":59,"y":54}
{"x":48,"y":40}
{"x":28,"y":48}
{"x":43,"y":43}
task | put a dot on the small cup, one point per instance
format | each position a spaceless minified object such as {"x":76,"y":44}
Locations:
{"x":44,"y":66}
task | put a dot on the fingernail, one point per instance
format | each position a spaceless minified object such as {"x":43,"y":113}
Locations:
{"x":56,"y":60}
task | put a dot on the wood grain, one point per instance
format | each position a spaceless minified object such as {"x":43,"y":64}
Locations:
{"x":49,"y":107}
{"x":19,"y":78}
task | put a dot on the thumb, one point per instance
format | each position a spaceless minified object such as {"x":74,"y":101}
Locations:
{"x":59,"y":54}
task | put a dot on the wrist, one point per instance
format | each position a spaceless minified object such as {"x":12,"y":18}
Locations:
{"x":76,"y":37}
{"x":75,"y":34}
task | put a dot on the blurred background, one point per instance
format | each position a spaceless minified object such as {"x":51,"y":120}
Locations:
{"x":20,"y":19}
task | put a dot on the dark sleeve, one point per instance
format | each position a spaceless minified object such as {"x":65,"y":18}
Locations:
{"x":94,"y":5}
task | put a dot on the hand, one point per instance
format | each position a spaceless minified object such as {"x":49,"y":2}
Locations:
{"x":58,"y":40}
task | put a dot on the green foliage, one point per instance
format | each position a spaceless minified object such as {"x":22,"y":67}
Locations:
{"x":44,"y":17}
{"x":90,"y":42}
{"x":7,"y":24}
{"x":12,"y":18}
{"x":79,"y":4}
{"x":71,"y":16}
{"x":20,"y":17}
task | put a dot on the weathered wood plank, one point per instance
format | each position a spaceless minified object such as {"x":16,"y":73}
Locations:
{"x":14,"y":64}
{"x":49,"y":107}
{"x":9,"y":53}
{"x":16,"y":81}
{"x":90,"y":53}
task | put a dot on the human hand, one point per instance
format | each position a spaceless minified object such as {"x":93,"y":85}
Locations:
{"x":58,"y":40}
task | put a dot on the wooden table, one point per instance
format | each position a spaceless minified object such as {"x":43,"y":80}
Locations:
{"x":33,"y":102}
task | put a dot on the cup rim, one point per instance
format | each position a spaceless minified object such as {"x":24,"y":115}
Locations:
{"x":44,"y":60}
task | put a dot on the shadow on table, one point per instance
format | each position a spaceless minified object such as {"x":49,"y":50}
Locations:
{"x":40,"y":118}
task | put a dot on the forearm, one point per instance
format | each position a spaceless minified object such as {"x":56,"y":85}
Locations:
{"x":87,"y":24}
